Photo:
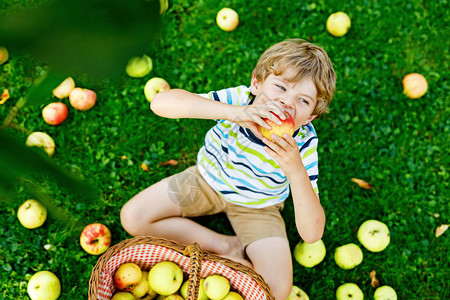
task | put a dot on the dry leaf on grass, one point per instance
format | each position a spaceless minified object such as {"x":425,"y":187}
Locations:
{"x":4,"y":96}
{"x":144,"y":167}
{"x":171,"y":162}
{"x":363,"y":184}
{"x":441,"y":229}
{"x":374,"y":283}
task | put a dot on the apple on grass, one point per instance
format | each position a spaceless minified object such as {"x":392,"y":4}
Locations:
{"x":123,"y":296}
{"x":338,"y":24}
{"x":55,"y":113}
{"x":63,"y":90}
{"x":139,"y":66}
{"x":287,"y":126}
{"x":227,"y":19}
{"x":414,"y":85}
{"x":44,"y":285}
{"x":163,"y":6}
{"x":297,"y":294}
{"x":309,"y":255}
{"x":32,"y":214}
{"x":216,"y":287}
{"x":385,"y":292}
{"x":374,"y":235}
{"x":41,"y":140}
{"x":4,"y":55}
{"x":155,"y":86}
{"x":348,"y":256}
{"x":165,"y":278}
{"x":95,"y":238}
{"x":82,"y":99}
{"x":349,"y":291}
{"x":201,"y":290}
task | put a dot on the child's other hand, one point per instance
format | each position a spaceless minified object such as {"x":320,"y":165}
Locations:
{"x":285,"y":151}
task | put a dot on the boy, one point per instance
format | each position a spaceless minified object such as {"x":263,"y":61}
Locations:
{"x":240,"y":172}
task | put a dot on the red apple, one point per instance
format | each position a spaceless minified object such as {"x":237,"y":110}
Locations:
{"x":127,"y":276}
{"x":63,"y":90}
{"x":55,"y":113}
{"x":287,"y":126}
{"x":82,"y":99}
{"x":95,"y":238}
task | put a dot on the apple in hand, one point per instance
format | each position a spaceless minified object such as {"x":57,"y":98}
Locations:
{"x":139,"y":66}
{"x":155,"y":86}
{"x":287,"y":126}
{"x":82,"y":99}
{"x":44,"y":285}
{"x":41,"y":140}
{"x":201,"y":290}
{"x":63,"y":90}
{"x":414,"y":85}
{"x":32,"y":214}
{"x":297,"y":294}
{"x":374,"y":235}
{"x":4,"y":55}
{"x":338,"y":24}
{"x":309,"y":255}
{"x":349,"y":291}
{"x":123,"y":296}
{"x":165,"y":278}
{"x":55,"y":113}
{"x":348,"y":256}
{"x":385,"y":292}
{"x":216,"y":287}
{"x":95,"y":238}
{"x":227,"y":19}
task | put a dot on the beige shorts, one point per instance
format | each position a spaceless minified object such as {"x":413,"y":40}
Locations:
{"x":196,"y":198}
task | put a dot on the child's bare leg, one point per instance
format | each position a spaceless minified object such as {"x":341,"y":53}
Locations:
{"x":271,"y":258}
{"x":152,"y":212}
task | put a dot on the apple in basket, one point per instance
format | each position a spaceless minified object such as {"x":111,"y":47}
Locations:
{"x":123,"y":296}
{"x":142,"y":290}
{"x":165,"y":278}
{"x":173,"y":297}
{"x":201,"y":290}
{"x":233,"y":296}
{"x":127,"y":276}
{"x":216,"y":287}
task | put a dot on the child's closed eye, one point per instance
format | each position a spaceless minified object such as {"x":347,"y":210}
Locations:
{"x":281,"y":87}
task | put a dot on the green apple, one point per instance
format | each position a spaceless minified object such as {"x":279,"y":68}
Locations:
{"x":338,"y":24}
{"x":155,"y":86}
{"x":142,"y":289}
{"x":41,"y":140}
{"x":348,"y":256}
{"x":32,"y":214}
{"x":165,"y":278}
{"x":385,"y":292}
{"x":309,"y":255}
{"x":163,"y":6}
{"x":233,"y":296}
{"x":173,"y":297}
{"x":201,"y":290}
{"x":374,"y":235}
{"x":349,"y":291}
{"x":123,"y":296}
{"x":216,"y":287}
{"x":297,"y":294}
{"x":414,"y":85}
{"x":139,"y":66}
{"x":227,"y":19}
{"x":4,"y":55}
{"x":44,"y":285}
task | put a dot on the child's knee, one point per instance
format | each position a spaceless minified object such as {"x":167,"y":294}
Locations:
{"x":281,"y":289}
{"x":128,"y":220}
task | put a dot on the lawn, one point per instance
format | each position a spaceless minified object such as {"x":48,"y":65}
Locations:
{"x":373,"y":132}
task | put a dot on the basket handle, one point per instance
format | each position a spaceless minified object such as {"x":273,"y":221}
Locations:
{"x":195,"y":267}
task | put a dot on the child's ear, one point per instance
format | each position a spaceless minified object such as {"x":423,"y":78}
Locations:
{"x":254,"y":85}
{"x":312,"y":117}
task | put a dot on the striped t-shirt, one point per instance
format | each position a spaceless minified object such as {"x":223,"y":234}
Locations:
{"x":234,"y":163}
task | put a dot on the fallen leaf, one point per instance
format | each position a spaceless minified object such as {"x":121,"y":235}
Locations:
{"x":124,"y":157}
{"x":144,"y":167}
{"x":374,"y":283}
{"x":171,"y":162}
{"x":4,"y":96}
{"x":363,"y":184}
{"x":441,"y":229}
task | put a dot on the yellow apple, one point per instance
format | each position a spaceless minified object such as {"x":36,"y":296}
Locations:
{"x":41,"y":140}
{"x":123,"y":296}
{"x":233,"y":296}
{"x":32,"y":214}
{"x":63,"y":90}
{"x":95,"y":238}
{"x":127,"y":276}
{"x":163,"y":6}
{"x":385,"y":293}
{"x":142,"y":290}
{"x":155,"y":86}
{"x":297,"y":294}
{"x":309,"y":255}
{"x":227,"y":19}
{"x":349,"y":291}
{"x":414,"y":85}
{"x":139,"y":66}
{"x":165,"y":278}
{"x":216,"y":287}
{"x":4,"y":55}
{"x":348,"y":256}
{"x":201,"y":290}
{"x":374,"y":235}
{"x":44,"y":285}
{"x":338,"y":24}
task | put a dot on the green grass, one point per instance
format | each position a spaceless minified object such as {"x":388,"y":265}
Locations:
{"x":373,"y":132}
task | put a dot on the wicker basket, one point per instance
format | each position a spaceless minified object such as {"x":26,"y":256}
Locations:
{"x":146,"y":251}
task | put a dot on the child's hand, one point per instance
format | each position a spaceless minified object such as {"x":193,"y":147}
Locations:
{"x":285,"y":152}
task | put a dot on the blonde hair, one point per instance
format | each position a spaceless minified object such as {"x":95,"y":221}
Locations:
{"x":297,"y":59}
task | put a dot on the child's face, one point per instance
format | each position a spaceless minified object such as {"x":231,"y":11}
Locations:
{"x":297,"y":98}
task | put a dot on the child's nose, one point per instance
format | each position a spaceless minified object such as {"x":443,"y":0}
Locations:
{"x":287,"y":103}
